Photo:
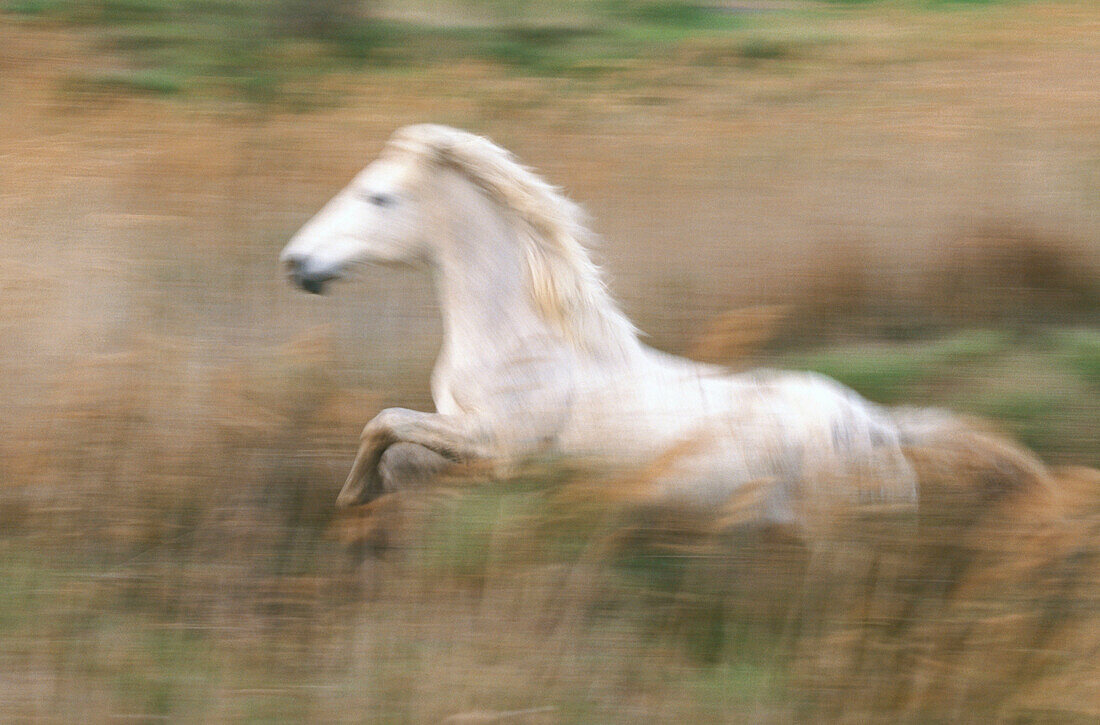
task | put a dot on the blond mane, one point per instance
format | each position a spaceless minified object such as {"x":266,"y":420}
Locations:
{"x":566,"y":286}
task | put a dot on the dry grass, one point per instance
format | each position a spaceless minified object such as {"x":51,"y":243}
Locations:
{"x":1010,"y":276}
{"x":154,"y":557}
{"x":737,"y":335}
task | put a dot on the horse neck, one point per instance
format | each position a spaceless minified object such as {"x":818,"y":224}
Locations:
{"x":480,"y":278}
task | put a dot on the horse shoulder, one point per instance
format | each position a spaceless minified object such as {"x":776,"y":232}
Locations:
{"x":522,"y":398}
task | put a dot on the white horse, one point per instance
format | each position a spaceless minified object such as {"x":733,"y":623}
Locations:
{"x":538,"y":360}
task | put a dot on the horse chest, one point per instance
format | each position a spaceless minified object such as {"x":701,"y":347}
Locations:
{"x":442,"y":390}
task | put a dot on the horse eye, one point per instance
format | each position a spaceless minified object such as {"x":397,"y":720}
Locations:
{"x":382,"y":200}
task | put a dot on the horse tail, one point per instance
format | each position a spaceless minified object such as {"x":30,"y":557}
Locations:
{"x":965,"y":469}
{"x":1002,"y":560}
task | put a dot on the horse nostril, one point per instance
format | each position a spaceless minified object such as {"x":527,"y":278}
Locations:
{"x":295,"y":272}
{"x":307,"y":276}
{"x":313,"y":285}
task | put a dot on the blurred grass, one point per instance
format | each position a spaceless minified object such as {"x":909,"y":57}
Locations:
{"x":501,"y":597}
{"x":890,"y":372}
{"x":259,"y":50}
{"x":278,"y":51}
{"x":159,"y":82}
{"x":1081,"y":351}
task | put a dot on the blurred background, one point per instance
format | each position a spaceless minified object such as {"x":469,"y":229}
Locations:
{"x":902,"y":194}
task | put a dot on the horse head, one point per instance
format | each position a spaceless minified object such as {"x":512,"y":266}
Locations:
{"x":380,"y":217}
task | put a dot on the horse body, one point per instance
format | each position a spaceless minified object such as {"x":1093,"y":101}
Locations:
{"x":538,"y":360}
{"x":788,"y":430}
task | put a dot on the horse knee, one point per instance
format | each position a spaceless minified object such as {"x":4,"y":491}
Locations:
{"x":407,"y":464}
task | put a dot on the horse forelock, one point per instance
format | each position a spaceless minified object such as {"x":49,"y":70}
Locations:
{"x":566,"y":286}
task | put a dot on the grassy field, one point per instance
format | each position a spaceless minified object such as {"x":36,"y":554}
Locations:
{"x":272,"y":52}
{"x":900,"y":194}
{"x":276,"y":52}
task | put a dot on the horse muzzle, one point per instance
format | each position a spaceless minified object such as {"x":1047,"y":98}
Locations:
{"x":310,"y":279}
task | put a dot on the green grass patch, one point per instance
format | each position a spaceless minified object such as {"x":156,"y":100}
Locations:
{"x":1079,"y":350}
{"x":267,"y":52}
{"x":970,"y":346}
{"x":1032,"y":416}
{"x":889,"y":373}
{"x":759,"y":48}
{"x":28,"y":584}
{"x":672,"y":14}
{"x":79,"y":617}
{"x":34,"y":7}
{"x":181,"y":669}
{"x":881,"y":374}
{"x":742,"y":680}
{"x":156,"y":82}
{"x":923,"y":3}
{"x":935,"y":3}
{"x":466,"y":533}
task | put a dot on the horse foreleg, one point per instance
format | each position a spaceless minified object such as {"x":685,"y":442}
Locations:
{"x":433,"y":440}
{"x":405,"y":465}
